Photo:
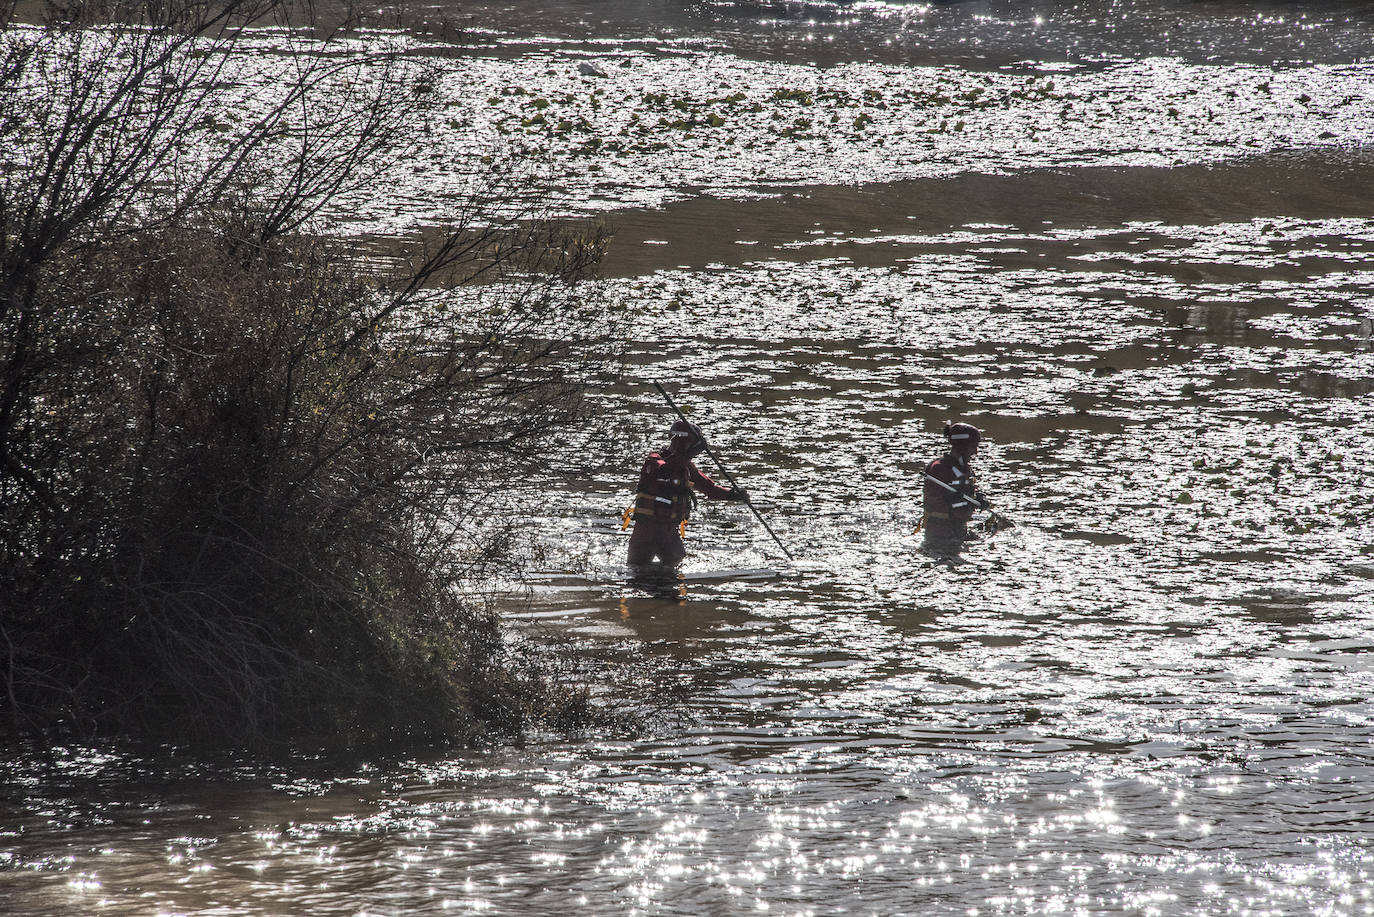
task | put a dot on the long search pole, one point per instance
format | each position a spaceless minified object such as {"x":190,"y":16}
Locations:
{"x":725,"y":471}
{"x":997,"y":517}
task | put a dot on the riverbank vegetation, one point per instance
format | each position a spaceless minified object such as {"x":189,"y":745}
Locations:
{"x":243,"y":470}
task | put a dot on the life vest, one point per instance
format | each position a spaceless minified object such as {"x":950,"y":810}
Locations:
{"x":950,"y":498}
{"x":665,"y":489}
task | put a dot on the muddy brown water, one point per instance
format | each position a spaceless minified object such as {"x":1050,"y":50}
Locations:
{"x":1152,"y":696}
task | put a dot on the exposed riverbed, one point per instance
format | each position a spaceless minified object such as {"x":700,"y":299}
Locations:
{"x":1140,"y":265}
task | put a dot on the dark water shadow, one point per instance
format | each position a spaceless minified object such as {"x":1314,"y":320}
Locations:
{"x":658,"y":580}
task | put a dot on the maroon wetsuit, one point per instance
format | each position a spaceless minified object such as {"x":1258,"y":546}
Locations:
{"x":664,"y":501}
{"x":949,"y":508}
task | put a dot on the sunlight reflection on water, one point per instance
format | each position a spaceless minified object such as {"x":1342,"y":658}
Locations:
{"x":1129,"y":701}
{"x":1151,"y":696}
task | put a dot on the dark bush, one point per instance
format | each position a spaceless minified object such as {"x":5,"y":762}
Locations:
{"x":242,"y":471}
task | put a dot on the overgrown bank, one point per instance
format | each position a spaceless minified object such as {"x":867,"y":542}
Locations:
{"x":242,"y":472}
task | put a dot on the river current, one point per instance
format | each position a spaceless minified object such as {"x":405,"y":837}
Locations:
{"x":1132,"y":242}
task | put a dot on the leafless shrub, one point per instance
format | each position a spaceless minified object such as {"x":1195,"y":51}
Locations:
{"x":242,"y":472}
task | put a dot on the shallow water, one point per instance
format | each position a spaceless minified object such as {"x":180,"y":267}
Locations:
{"x":624,"y":120}
{"x":1151,"y":696}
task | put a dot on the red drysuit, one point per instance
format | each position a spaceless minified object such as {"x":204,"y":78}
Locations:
{"x":664,"y":501}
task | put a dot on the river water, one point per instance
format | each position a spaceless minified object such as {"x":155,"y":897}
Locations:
{"x":1140,"y":264}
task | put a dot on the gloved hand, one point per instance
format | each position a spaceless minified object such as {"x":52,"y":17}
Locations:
{"x":738,"y":493}
{"x":975,"y":496}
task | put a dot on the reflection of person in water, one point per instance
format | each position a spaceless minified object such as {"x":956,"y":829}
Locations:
{"x":668,"y":484}
{"x":951,"y":497}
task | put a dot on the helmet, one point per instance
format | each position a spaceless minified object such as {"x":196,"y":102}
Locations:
{"x":686,"y":438}
{"x":963,"y":437}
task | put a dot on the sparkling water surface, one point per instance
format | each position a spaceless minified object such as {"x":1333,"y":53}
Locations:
{"x":1151,"y":696}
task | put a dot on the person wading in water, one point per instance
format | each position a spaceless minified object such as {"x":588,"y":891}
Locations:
{"x":668,"y":484}
{"x":950,"y":495}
